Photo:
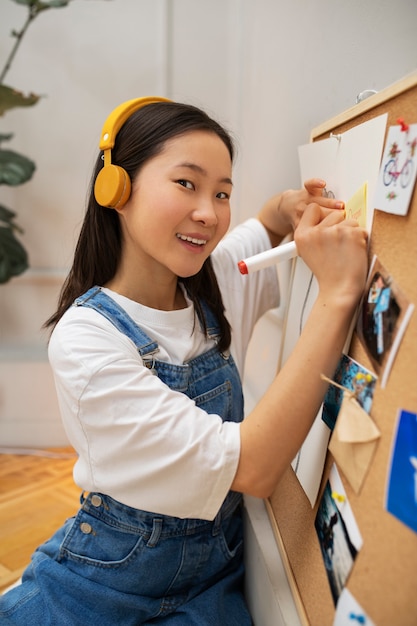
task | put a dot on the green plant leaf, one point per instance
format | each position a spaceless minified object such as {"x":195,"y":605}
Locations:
{"x":55,"y":4}
{"x":6,"y":215}
{"x":6,"y":137}
{"x":42,"y":6}
{"x":11,"y":98}
{"x":13,"y":256}
{"x":15,"y":169}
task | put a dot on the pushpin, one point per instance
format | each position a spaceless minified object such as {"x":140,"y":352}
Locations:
{"x":359,"y":618}
{"x":404,"y":126}
{"x":365,"y":377}
{"x":338,"y":496}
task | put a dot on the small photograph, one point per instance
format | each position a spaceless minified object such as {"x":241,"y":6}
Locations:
{"x":383,"y":318}
{"x":401,"y":499}
{"x":338,"y":534}
{"x":353,"y":376}
{"x":350,"y":612}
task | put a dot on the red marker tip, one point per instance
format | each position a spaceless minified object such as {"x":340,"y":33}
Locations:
{"x":242,"y":267}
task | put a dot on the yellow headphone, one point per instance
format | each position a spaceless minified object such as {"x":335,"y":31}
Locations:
{"x":113,"y":185}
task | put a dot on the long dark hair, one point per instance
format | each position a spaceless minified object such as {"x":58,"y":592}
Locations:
{"x":98,"y":250}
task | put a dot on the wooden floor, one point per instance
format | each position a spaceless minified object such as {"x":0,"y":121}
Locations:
{"x":37,"y":494}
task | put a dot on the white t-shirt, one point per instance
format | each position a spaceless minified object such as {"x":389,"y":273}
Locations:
{"x":137,"y":440}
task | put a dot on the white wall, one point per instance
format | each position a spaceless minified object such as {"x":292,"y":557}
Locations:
{"x":270,"y":70}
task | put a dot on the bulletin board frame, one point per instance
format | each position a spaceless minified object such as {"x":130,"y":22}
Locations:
{"x":384,"y":576}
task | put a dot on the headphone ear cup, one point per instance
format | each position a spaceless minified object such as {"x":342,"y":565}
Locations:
{"x":112,"y":187}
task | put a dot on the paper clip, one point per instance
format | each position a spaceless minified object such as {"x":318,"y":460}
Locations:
{"x":359,"y":618}
{"x":404,"y":127}
{"x":338,"y":496}
{"x":336,"y":136}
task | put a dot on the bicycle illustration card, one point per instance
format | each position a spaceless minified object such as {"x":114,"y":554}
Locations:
{"x":398,"y":170}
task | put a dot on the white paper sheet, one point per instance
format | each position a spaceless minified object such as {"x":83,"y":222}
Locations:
{"x":345,"y":164}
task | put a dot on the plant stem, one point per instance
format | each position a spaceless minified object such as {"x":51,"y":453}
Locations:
{"x":33,"y":12}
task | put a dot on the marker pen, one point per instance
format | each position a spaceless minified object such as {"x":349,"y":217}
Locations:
{"x":269,"y":257}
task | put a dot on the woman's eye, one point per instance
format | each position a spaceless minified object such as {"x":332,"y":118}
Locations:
{"x":222,"y":195}
{"x":185,"y":183}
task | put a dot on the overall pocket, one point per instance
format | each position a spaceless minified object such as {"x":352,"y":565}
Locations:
{"x":217,"y":400}
{"x":99,"y":543}
{"x":231,"y":535}
{"x":128,"y":559}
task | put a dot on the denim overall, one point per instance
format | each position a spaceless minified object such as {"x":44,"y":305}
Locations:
{"x":116,"y":565}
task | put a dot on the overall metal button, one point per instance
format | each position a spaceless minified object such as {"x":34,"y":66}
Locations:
{"x":85,"y":528}
{"x":96,"y":500}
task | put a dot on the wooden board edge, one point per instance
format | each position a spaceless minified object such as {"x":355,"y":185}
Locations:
{"x":287,"y":567}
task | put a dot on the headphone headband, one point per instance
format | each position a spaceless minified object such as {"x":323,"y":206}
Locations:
{"x":113,"y":185}
{"x":118,"y":117}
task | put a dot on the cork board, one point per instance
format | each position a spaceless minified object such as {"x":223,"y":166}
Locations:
{"x":384,"y":575}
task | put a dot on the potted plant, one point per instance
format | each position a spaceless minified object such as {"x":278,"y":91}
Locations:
{"x":16,"y":169}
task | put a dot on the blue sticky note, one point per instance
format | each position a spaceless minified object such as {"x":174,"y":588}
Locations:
{"x":401,"y":498}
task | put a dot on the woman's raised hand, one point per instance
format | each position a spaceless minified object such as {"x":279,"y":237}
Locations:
{"x":335,"y":249}
{"x":281,"y":214}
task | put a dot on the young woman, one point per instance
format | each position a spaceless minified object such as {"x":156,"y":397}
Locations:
{"x":147,"y":349}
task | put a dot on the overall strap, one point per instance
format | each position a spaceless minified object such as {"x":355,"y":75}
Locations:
{"x":213,"y":328}
{"x":96,"y":299}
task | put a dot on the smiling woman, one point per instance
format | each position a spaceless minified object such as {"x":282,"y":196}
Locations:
{"x":169,"y":132}
{"x":147,"y":349}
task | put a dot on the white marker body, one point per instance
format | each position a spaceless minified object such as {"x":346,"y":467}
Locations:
{"x":270,"y":257}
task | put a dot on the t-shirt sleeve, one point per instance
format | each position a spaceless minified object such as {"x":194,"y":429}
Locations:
{"x":138,"y":441}
{"x":246,"y":297}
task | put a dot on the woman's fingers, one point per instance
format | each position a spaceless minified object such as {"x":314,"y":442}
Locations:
{"x":329,"y":244}
{"x":315,"y":214}
{"x":315,"y":187}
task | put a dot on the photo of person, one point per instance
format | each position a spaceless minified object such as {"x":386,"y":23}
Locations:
{"x":353,"y":376}
{"x":379,"y":317}
{"x":382,"y":319}
{"x":338,"y":534}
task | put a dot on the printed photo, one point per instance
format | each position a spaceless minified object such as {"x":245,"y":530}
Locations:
{"x":350,"y":612}
{"x":353,"y":376}
{"x":383,"y":318}
{"x":338,"y":534}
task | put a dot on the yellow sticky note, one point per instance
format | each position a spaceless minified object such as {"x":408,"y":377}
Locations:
{"x":356,"y":207}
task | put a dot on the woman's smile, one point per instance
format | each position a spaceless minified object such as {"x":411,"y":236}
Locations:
{"x":193,"y":240}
